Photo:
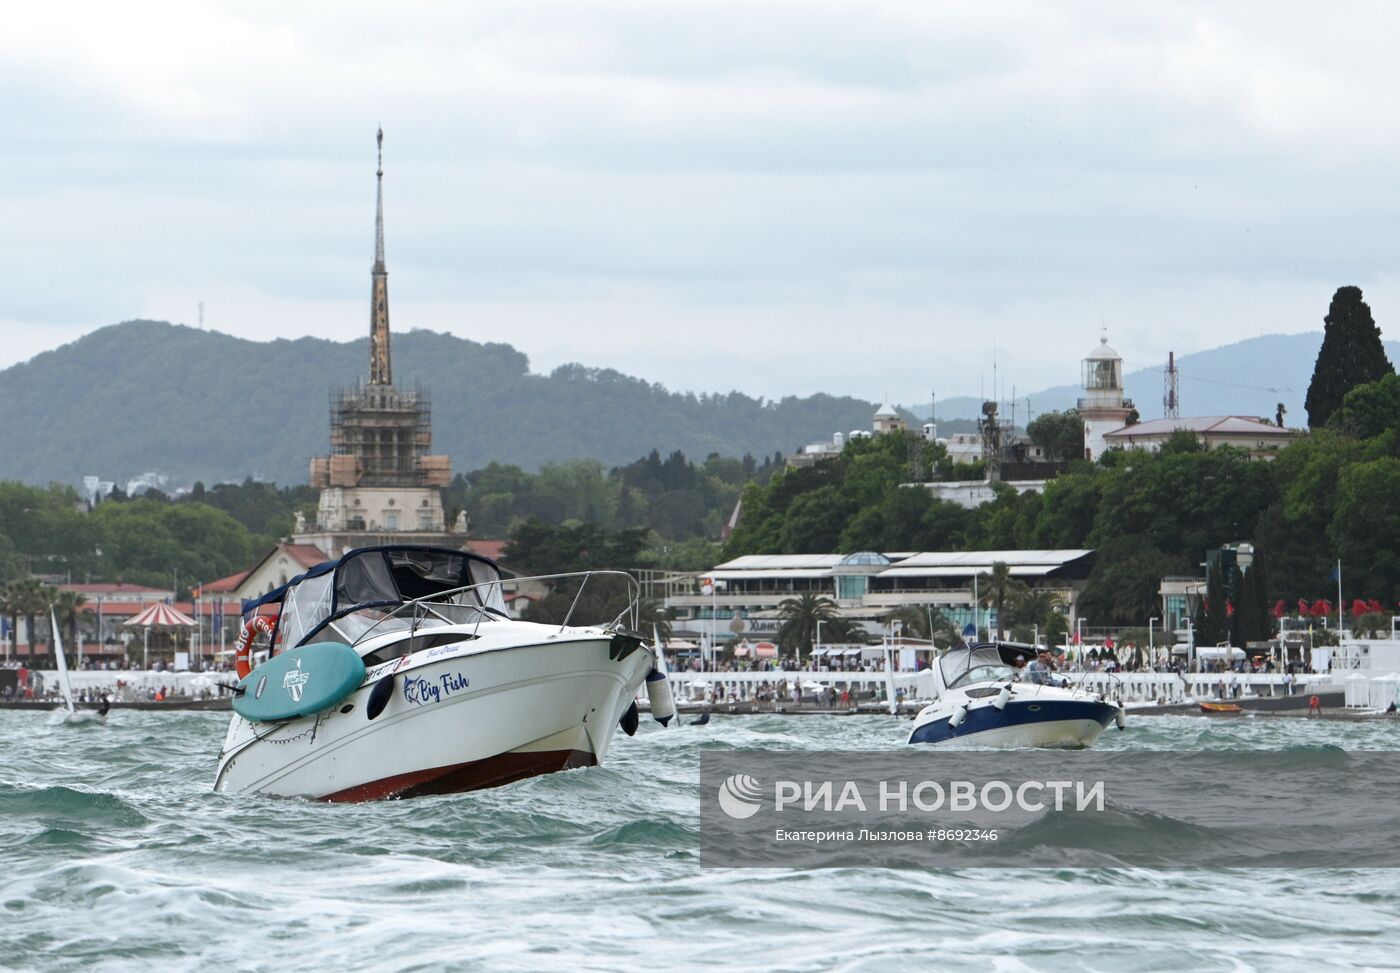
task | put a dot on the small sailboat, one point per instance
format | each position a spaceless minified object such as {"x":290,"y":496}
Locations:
{"x":71,"y":714}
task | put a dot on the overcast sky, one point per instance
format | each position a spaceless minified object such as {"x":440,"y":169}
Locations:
{"x":778,"y":197}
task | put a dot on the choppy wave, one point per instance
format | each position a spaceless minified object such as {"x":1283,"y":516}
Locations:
{"x":115,"y":855}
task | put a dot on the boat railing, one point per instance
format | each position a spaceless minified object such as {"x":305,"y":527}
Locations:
{"x":419,"y":610}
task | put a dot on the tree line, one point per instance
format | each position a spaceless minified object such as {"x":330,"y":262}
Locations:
{"x":1333,"y":495}
{"x":653,"y":511}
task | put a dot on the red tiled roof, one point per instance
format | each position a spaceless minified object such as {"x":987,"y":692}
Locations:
{"x":232,"y":606}
{"x":1226,"y":425}
{"x":115,"y":609}
{"x":495,"y":550}
{"x":223,"y":584}
{"x":307,"y":555}
{"x":112,"y":588}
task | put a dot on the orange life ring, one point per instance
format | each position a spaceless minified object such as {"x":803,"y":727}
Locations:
{"x":243,"y":647}
{"x":1314,"y":703}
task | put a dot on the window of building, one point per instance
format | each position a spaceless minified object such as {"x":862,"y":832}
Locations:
{"x":851,"y":586}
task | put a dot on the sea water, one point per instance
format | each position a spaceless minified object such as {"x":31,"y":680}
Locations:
{"x":114,"y":854}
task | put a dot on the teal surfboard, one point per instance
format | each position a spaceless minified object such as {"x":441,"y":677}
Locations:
{"x":299,"y":683}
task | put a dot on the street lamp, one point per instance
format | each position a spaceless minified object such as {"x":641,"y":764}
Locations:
{"x":1151,"y":654}
{"x":816,"y":651}
{"x":1190,"y":645}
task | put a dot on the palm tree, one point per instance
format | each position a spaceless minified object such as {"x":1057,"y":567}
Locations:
{"x":30,"y":597}
{"x":1035,"y":606}
{"x":9,"y":608}
{"x":651,"y":613}
{"x":924,"y":622}
{"x":800,"y":617}
{"x":996,"y":588}
{"x":912,"y":620}
{"x":845,"y":630}
{"x":67,"y":606}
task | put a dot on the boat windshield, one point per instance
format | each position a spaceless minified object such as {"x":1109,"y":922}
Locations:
{"x":970,"y":666}
{"x":362,"y":588}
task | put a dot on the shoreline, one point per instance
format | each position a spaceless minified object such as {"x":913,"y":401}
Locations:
{"x":1288,"y":707}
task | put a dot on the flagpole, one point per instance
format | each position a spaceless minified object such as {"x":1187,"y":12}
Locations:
{"x":1339,"y":601}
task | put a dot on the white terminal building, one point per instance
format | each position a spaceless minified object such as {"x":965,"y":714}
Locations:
{"x":866,"y":585}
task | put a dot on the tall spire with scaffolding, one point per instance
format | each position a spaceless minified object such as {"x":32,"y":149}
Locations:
{"x":380,"y":372}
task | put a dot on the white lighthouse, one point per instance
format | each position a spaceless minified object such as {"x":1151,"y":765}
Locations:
{"x":1103,"y":407}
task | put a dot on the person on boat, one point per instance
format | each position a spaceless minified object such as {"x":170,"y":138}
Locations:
{"x":1041,"y":670}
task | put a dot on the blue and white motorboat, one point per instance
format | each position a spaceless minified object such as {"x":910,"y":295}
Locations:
{"x":982,"y":699}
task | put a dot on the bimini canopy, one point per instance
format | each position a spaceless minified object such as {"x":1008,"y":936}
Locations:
{"x":377,"y":578}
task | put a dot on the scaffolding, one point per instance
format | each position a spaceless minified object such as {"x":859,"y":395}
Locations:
{"x":385,"y":431}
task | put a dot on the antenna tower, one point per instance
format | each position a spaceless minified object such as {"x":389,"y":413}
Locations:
{"x":1171,"y":393}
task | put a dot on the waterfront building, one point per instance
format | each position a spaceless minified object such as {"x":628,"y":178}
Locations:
{"x":742,"y":597}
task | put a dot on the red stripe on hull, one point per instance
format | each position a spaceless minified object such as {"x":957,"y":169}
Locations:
{"x":474,"y":775}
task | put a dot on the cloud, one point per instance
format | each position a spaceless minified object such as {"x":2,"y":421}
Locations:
{"x":777,"y":196}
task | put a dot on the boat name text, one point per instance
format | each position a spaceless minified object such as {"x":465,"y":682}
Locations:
{"x":424,"y":692}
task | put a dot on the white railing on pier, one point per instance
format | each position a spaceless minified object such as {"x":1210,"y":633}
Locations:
{"x":1127,"y":686}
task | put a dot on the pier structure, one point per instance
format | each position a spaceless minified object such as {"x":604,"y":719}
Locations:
{"x":1130,"y":687}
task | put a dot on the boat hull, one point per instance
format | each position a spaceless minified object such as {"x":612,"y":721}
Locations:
{"x":1037,"y":723}
{"x":458,"y":719}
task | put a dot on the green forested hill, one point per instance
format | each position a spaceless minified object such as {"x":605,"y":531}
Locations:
{"x":147,"y":395}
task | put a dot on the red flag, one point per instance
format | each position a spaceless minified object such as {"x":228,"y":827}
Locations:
{"x":1229,"y":609}
{"x":1075,"y":640}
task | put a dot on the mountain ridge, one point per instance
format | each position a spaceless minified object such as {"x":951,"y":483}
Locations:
{"x":1248,"y":377}
{"x":195,"y":404}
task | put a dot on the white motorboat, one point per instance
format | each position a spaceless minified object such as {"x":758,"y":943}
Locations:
{"x":396,"y":671}
{"x":982,"y":699}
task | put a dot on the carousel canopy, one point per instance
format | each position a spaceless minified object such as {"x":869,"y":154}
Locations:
{"x":159,"y":615}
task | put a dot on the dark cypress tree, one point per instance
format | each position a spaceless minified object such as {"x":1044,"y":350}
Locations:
{"x":1234,"y":607}
{"x":1212,"y":626}
{"x":1250,"y":608}
{"x":1351,"y":354}
{"x":1263,"y":608}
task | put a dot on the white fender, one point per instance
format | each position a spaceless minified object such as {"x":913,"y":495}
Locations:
{"x":1003,"y":698}
{"x":958,"y":716}
{"x":663,"y":707}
